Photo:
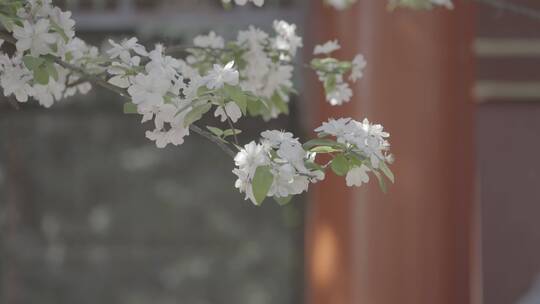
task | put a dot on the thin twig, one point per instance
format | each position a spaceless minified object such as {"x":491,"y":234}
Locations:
{"x":213,"y":139}
{"x":231,"y":125}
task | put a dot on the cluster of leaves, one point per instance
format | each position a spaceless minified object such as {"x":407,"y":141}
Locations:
{"x":8,"y":13}
{"x":344,"y":157}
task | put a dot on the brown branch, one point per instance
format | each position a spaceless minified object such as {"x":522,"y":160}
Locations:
{"x":213,"y":139}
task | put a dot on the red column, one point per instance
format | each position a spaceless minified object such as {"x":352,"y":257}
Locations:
{"x":414,"y":244}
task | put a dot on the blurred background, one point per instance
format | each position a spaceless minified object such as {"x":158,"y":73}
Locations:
{"x":92,"y":212}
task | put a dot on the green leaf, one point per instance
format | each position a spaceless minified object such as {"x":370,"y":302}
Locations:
{"x":6,"y":23}
{"x":279,"y":103}
{"x":384,"y":168}
{"x":41,"y":75}
{"x":262,"y":181}
{"x":51,"y":70}
{"x":355,"y":159}
{"x":382,"y":183}
{"x":320,"y":142}
{"x":230,"y":132}
{"x":55,"y":27}
{"x":340,"y":165}
{"x":324,"y":149}
{"x":236,"y":94}
{"x":216,"y":131}
{"x":330,"y":83}
{"x":282,"y":201}
{"x":32,"y":62}
{"x":314,"y":166}
{"x":196,"y":113}
{"x":130,"y":108}
{"x":202,"y":90}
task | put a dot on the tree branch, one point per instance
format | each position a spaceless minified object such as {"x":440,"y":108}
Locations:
{"x":213,"y":139}
{"x":104,"y":84}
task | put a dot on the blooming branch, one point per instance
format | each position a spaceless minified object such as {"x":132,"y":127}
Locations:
{"x":249,"y":76}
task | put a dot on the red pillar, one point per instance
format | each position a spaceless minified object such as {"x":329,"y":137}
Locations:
{"x":413,"y":245}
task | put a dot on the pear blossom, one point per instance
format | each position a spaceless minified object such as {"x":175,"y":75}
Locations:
{"x":357,"y":176}
{"x":287,"y":182}
{"x":34,"y":37}
{"x":341,"y":94}
{"x":222,"y":75}
{"x":286,"y":40}
{"x":327,"y":47}
{"x":230,"y":110}
{"x":148,"y":89}
{"x":335,"y":127}
{"x":64,"y":21}
{"x":370,"y":139}
{"x":49,"y":93}
{"x":120,"y":72}
{"x":211,"y":40}
{"x":251,"y":156}
{"x":124,"y":48}
{"x":358,"y":65}
{"x":14,"y":80}
{"x":274,"y":137}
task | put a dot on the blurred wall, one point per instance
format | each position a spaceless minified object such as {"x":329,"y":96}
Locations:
{"x":508,"y":141}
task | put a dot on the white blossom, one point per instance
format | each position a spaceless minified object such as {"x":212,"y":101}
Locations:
{"x":287,"y":181}
{"x":252,"y":156}
{"x":327,"y":47}
{"x":337,"y":128}
{"x":64,"y":21}
{"x":211,"y":40}
{"x":148,"y":89}
{"x":342,"y":93}
{"x":274,"y":137}
{"x":49,"y":93}
{"x":124,"y":48}
{"x":369,"y":139}
{"x":14,"y":80}
{"x":231,"y":110}
{"x":286,"y":40}
{"x":357,"y":176}
{"x":34,"y":37}
{"x":358,"y":65}
{"x":222,"y":75}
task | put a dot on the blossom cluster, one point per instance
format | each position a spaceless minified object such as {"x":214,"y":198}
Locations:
{"x":42,"y":33}
{"x":263,"y":62}
{"x":157,"y":88}
{"x":249,"y":76}
{"x":277,"y":166}
{"x":280,"y":167}
{"x":331,"y":72}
